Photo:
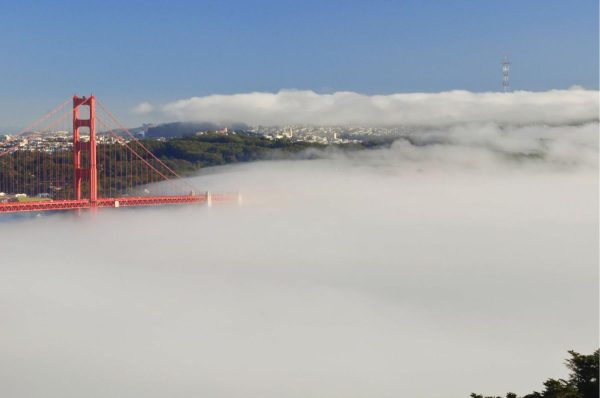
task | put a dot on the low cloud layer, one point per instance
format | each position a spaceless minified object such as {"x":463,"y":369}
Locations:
{"x":143,"y":108}
{"x":571,"y":106}
{"x":467,"y":256}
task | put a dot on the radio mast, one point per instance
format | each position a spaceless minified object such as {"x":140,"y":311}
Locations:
{"x":505,"y":78}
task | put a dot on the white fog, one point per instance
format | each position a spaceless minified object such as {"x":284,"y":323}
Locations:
{"x":465,"y":263}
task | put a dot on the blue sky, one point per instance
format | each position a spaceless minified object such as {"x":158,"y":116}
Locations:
{"x":132,"y":51}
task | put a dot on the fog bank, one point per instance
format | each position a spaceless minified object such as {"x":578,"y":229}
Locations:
{"x":571,"y":106}
{"x":455,"y":261}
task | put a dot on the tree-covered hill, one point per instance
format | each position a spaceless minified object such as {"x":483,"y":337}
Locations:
{"x":187,"y":154}
{"x":184,"y":155}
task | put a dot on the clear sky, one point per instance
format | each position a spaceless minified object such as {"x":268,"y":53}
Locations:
{"x":133,"y":51}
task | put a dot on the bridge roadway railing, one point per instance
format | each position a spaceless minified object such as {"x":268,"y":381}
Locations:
{"x":13,"y":207}
{"x":127,"y":201}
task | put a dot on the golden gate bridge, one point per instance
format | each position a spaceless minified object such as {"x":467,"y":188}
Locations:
{"x":62,"y":162}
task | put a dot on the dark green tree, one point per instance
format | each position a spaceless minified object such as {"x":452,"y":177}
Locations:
{"x":584,"y":373}
{"x":582,"y":382}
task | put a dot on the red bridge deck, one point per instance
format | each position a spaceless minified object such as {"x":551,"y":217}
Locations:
{"x":129,"y":201}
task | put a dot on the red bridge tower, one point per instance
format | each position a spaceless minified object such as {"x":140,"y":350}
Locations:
{"x":85,"y":171}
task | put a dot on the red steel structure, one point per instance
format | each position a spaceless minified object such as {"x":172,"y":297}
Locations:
{"x":89,"y":173}
{"x":134,"y":164}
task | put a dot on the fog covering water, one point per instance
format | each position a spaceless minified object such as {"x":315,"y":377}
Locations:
{"x":462,"y":260}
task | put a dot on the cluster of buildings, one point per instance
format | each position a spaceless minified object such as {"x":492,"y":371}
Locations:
{"x":46,"y":142}
{"x":326,"y":134}
{"x":63,"y":140}
{"x":321,"y":135}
